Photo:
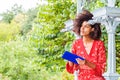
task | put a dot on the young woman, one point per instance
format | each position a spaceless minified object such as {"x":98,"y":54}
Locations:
{"x":90,"y":47}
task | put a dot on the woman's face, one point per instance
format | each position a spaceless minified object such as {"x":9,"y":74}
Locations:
{"x":85,"y":29}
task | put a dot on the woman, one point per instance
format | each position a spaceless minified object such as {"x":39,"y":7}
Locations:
{"x":90,"y":47}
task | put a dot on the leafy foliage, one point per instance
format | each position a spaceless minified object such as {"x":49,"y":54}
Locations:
{"x":19,"y":61}
{"x":52,"y":18}
{"x":8,"y":31}
{"x":27,"y":25}
{"x":8,"y":16}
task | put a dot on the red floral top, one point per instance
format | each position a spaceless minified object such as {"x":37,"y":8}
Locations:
{"x":97,"y":56}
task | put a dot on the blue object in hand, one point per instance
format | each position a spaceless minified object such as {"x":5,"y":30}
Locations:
{"x":71,"y":57}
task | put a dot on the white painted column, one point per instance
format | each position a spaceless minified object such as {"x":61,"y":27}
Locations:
{"x":80,"y":5}
{"x":79,"y":10}
{"x":111,"y":68}
{"x":111,"y":3}
{"x":111,"y":26}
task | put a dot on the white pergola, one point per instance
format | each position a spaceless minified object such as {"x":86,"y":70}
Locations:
{"x":110,"y":17}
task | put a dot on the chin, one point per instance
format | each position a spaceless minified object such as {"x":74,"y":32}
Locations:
{"x":84,"y":35}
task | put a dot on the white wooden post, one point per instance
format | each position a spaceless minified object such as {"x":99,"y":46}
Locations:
{"x":76,"y":75}
{"x":80,"y":5}
{"x":111,"y":3}
{"x":110,"y":17}
{"x":111,"y":26}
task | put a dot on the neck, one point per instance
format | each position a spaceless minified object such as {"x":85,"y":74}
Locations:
{"x":87,"y":39}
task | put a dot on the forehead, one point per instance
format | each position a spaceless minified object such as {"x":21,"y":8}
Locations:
{"x":86,"y":23}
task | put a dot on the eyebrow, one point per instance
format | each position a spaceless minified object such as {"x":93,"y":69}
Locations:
{"x":86,"y":24}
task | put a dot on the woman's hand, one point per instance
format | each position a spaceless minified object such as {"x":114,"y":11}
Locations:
{"x":85,"y":62}
{"x":80,"y":62}
{"x":70,"y":63}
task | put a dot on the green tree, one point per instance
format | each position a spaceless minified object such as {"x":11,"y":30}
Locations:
{"x":9,"y":14}
{"x":51,"y":42}
{"x":9,"y":31}
{"x":31,"y":16}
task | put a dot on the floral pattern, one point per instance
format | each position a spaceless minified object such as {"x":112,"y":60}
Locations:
{"x":97,"y":56}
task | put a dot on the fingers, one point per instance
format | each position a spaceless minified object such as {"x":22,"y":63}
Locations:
{"x":80,"y":62}
{"x":70,"y":63}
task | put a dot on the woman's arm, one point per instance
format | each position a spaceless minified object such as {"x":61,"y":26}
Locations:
{"x":85,"y":62}
{"x":91,"y":65}
{"x":70,"y":63}
{"x":101,"y":63}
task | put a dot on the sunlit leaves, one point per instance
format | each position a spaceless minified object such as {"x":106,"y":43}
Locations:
{"x":9,"y":31}
{"x":52,"y":18}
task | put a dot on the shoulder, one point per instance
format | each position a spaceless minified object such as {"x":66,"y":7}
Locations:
{"x":77,"y":41}
{"x":99,"y":42}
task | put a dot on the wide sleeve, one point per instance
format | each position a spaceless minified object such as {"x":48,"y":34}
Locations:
{"x":69,"y":68}
{"x":101,"y":63}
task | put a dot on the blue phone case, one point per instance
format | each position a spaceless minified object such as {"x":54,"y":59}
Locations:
{"x":71,"y":57}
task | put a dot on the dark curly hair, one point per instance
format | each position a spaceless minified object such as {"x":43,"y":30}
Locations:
{"x":86,"y":16}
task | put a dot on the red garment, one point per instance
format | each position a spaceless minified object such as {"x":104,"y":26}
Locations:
{"x":97,"y":56}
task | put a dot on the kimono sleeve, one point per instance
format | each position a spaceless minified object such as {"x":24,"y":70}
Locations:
{"x":101,"y":63}
{"x":69,"y":68}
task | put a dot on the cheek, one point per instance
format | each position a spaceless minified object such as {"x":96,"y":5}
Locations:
{"x":87,"y":30}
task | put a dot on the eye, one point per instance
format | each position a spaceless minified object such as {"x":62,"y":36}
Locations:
{"x":87,"y":26}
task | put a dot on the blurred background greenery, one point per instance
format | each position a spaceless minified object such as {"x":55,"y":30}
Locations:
{"x":31,"y":44}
